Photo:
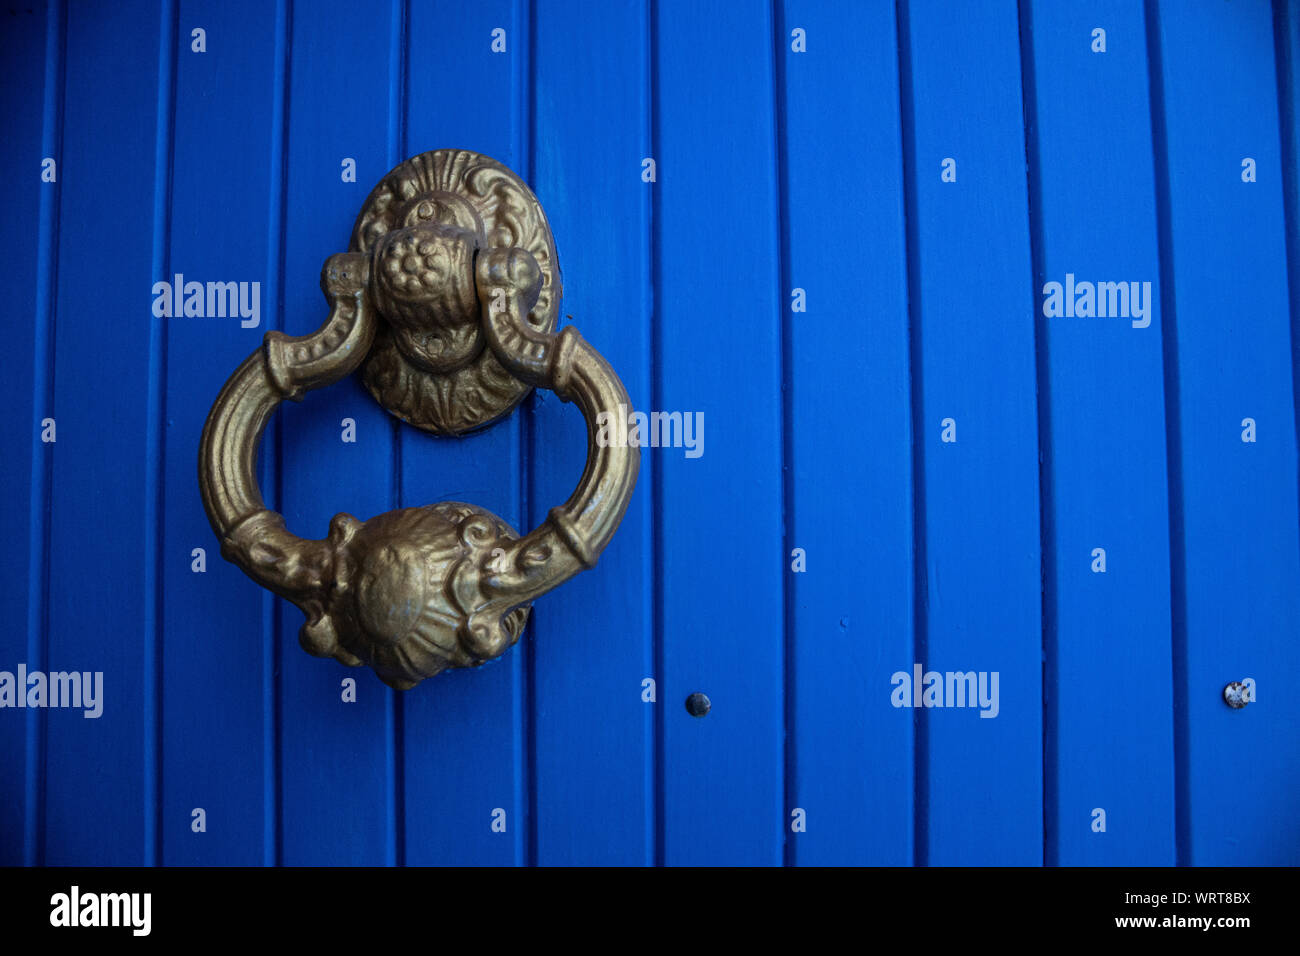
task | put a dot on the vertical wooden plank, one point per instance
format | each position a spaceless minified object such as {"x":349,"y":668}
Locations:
{"x":718,"y":354}
{"x":1286,"y":41}
{"x":31,"y":203}
{"x":1101,"y":393}
{"x":152,"y":514}
{"x":852,"y":498}
{"x":336,"y":759}
{"x":99,"y":466}
{"x":1229,"y":354}
{"x":980,"y":792}
{"x":592,"y":639}
{"x":221,"y":202}
{"x":463,"y":735}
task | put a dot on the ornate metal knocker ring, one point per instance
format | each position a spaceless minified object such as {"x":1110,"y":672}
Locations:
{"x":447,"y":300}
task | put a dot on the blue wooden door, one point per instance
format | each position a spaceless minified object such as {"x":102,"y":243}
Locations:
{"x":984,"y":312}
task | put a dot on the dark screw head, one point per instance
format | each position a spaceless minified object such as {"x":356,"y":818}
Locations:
{"x":1234,"y":695}
{"x":697,"y":705}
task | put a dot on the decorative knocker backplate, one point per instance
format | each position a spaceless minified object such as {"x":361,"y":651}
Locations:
{"x":447,"y":300}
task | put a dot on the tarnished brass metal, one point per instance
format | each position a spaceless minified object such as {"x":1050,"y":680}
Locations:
{"x":447,"y":301}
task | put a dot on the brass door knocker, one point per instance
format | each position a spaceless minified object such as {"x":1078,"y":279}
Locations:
{"x":447,"y":299}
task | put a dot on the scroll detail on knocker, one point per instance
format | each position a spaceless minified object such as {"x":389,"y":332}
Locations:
{"x":447,"y":301}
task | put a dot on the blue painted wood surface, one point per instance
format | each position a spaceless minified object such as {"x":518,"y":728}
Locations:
{"x":979,"y":790}
{"x":219,"y":145}
{"x":1106,"y":626}
{"x":849,"y":618}
{"x":29,"y":46}
{"x":1231,"y":358}
{"x":843,"y":242}
{"x":332,"y":113}
{"x":593,"y":733}
{"x":718,"y":310}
